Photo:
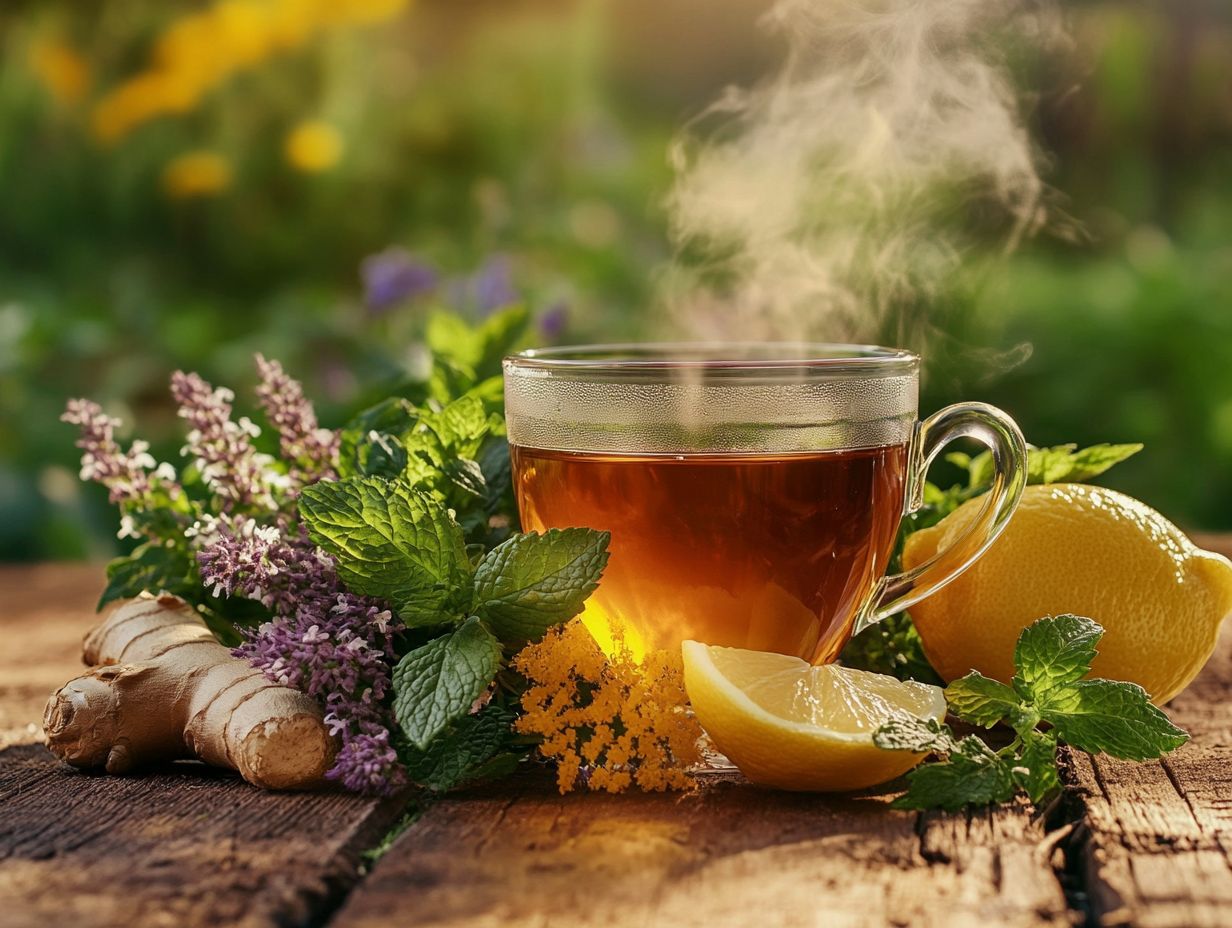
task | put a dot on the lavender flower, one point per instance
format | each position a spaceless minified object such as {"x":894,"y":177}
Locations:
{"x":222,"y":449}
{"x":130,"y":475}
{"x":393,"y":276}
{"x":311,"y":451}
{"x":323,"y":640}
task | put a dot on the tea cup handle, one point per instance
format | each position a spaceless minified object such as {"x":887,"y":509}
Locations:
{"x":991,"y":427}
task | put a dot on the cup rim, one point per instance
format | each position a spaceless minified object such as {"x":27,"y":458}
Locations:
{"x":734,"y":357}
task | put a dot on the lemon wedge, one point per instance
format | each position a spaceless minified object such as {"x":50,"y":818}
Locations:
{"x":788,"y":724}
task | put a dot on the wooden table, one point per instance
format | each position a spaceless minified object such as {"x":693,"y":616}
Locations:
{"x":1147,"y":845}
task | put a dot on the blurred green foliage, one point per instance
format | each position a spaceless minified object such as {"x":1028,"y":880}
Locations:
{"x":537,"y":132}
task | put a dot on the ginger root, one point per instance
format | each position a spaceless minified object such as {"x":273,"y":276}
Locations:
{"x":168,"y":690}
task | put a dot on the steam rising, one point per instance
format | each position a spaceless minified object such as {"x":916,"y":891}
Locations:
{"x":840,"y":198}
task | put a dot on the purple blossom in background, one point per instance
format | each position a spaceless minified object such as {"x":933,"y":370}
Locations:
{"x":393,"y":276}
{"x":552,"y":322}
{"x":127,"y":475}
{"x":222,"y":450}
{"x":487,"y":289}
{"x":311,"y":451}
{"x":331,"y":644}
{"x":492,"y":285}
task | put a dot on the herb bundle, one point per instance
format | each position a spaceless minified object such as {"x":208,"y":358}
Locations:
{"x":376,"y":568}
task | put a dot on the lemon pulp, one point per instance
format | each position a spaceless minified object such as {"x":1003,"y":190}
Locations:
{"x":788,"y":724}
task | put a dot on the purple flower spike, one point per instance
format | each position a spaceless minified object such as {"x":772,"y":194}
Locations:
{"x":323,"y":640}
{"x":393,"y":276}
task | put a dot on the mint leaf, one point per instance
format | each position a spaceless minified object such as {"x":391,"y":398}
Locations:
{"x":152,"y":567}
{"x":960,"y":781}
{"x":494,"y":464}
{"x":378,"y":454}
{"x":977,"y":699}
{"x":1065,"y":465}
{"x":476,"y":348}
{"x":459,"y":427}
{"x":1035,"y":770}
{"x":390,"y":541}
{"x":531,"y":582}
{"x":389,"y":418}
{"x":466,"y":476}
{"x":461,"y":751}
{"x":439,"y":682}
{"x":908,"y":733}
{"x":1115,"y":718}
{"x":1058,"y":464}
{"x":1054,"y":651}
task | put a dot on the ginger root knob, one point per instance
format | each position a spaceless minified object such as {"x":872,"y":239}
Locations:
{"x":168,"y":690}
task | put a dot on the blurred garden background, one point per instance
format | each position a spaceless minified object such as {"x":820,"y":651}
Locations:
{"x":186,"y":182}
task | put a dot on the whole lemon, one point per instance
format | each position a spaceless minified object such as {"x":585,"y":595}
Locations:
{"x":1085,"y":550}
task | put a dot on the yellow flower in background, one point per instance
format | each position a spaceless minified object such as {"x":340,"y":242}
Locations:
{"x":61,"y":69}
{"x":196,"y":174}
{"x":313,"y":146}
{"x":202,"y":50}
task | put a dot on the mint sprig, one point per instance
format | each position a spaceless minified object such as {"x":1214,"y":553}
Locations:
{"x":1059,"y":464}
{"x":1049,"y":702}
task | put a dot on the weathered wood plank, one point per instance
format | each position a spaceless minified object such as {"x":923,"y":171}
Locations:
{"x":1158,"y":848}
{"x":184,"y":846}
{"x":730,"y":854}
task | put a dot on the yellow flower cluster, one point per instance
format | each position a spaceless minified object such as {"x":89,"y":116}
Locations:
{"x":200,"y":51}
{"x":62,"y":70}
{"x":607,"y":723}
{"x":313,"y":146}
{"x":196,"y":174}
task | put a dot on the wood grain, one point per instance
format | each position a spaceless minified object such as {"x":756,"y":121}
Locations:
{"x":1158,"y":837}
{"x":185,"y":846}
{"x":729,"y":854}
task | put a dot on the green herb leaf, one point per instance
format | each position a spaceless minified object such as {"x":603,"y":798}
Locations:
{"x":961,"y":781}
{"x":390,"y":541}
{"x":391,"y":418}
{"x":460,"y":752}
{"x":531,"y":582}
{"x":439,"y":682}
{"x":1035,"y":770}
{"x":459,"y":427}
{"x":1054,"y":651}
{"x":908,"y":733}
{"x":1115,"y":718}
{"x":479,"y":349}
{"x":379,"y":454}
{"x":977,"y":699}
{"x":1058,"y":464}
{"x":152,"y":567}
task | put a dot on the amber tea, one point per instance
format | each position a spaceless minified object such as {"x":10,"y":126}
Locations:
{"x":768,"y":552}
{"x":753,"y":491}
